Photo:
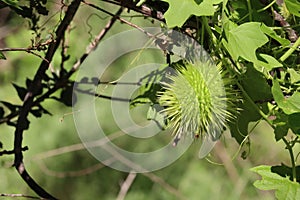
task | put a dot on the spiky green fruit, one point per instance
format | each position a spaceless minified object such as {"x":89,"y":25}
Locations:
{"x":197,"y":101}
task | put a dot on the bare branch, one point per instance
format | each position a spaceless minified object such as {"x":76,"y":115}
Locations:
{"x":120,"y":19}
{"x":126,"y":185}
{"x":143,"y":9}
{"x":22,"y":122}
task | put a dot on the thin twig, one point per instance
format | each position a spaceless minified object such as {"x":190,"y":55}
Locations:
{"x":27,"y":50}
{"x":99,"y":143}
{"x":126,"y":185}
{"x":143,"y":9}
{"x":76,"y":173}
{"x":164,"y":184}
{"x":120,"y":19}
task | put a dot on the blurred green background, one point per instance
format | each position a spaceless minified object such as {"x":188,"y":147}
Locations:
{"x":59,"y":163}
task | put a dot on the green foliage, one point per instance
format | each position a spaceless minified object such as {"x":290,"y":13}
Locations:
{"x":179,"y":11}
{"x":285,"y":189}
{"x":293,"y":7}
{"x":244,"y":40}
{"x":258,"y":55}
{"x":255,"y":45}
{"x":289,"y":105}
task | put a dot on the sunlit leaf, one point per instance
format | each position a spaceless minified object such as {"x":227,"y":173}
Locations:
{"x":267,"y":62}
{"x":289,"y":105}
{"x":244,"y":40}
{"x":179,"y":11}
{"x":293,"y":7}
{"x":295,"y":76}
{"x":271,"y":33}
{"x":154,"y":114}
{"x":13,"y":3}
{"x":284,"y":188}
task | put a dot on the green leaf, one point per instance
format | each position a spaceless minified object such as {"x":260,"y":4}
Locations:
{"x":179,"y":11}
{"x":293,"y":122}
{"x":295,"y":76}
{"x":293,"y":7}
{"x":244,"y":40}
{"x":156,"y":116}
{"x":21,"y":91}
{"x":256,"y":86}
{"x":2,"y":56}
{"x":281,"y":125}
{"x":266,"y":62}
{"x":288,"y":105}
{"x":13,"y":3}
{"x":284,"y":188}
{"x":150,"y":85}
{"x":239,"y":126}
{"x":271,"y":33}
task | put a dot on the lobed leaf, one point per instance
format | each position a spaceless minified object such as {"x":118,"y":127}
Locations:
{"x":289,"y":105}
{"x":244,"y":40}
{"x":271,"y":33}
{"x":293,"y":7}
{"x":284,"y":188}
{"x":179,"y":11}
{"x":266,"y":62}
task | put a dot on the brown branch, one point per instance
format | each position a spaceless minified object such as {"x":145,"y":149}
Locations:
{"x":22,"y":122}
{"x":292,"y":34}
{"x":27,"y":50}
{"x":119,"y":18}
{"x":126,"y":185}
{"x":143,"y":9}
{"x":77,"y":173}
{"x":156,"y":179}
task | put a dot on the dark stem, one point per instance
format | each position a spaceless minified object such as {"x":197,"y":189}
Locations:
{"x":22,"y":122}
